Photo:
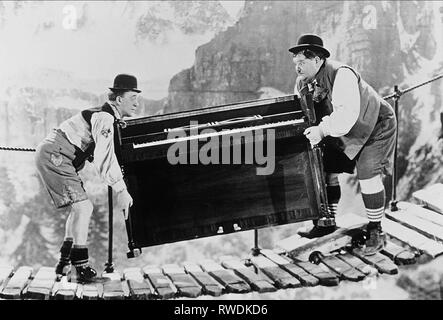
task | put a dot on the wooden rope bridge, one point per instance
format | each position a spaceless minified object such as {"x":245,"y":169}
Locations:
{"x":414,"y":232}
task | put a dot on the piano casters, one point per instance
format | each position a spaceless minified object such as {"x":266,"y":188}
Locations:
{"x":133,"y":252}
{"x":109,"y":265}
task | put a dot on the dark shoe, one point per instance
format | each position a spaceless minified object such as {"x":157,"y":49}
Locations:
{"x":317,"y":232}
{"x":376,"y":240}
{"x":62,"y":268}
{"x":85,"y":273}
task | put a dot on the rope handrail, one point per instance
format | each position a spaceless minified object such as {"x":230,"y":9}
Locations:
{"x":398,"y":93}
{"x":17,"y":149}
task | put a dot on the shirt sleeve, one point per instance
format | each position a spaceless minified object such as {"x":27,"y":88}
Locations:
{"x":345,"y":103}
{"x":105,"y":160}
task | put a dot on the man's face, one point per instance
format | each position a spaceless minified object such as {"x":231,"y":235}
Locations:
{"x":127,"y":103}
{"x":305,"y":68}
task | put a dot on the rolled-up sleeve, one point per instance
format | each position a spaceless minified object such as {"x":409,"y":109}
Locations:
{"x":345,"y":103}
{"x":105,"y":160}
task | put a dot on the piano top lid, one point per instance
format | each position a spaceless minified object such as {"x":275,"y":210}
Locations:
{"x":227,"y":107}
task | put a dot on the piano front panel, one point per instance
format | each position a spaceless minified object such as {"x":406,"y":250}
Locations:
{"x":182,"y":202}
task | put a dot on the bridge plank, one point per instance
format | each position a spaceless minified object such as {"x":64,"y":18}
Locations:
{"x":41,"y":286}
{"x":90,"y":291}
{"x":17,"y":283}
{"x":431,"y":197}
{"x":112,"y":286}
{"x":185,"y":283}
{"x":64,"y":290}
{"x":422,"y":213}
{"x":209,"y":285}
{"x":398,"y":254}
{"x":258,"y":282}
{"x":357,"y":263}
{"x":231,"y":282}
{"x":282,"y":279}
{"x":379,"y":261}
{"x":405,"y":215}
{"x":5,"y":274}
{"x":325,"y":276}
{"x":305,"y":278}
{"x":300,"y":248}
{"x":412,"y":238}
{"x":162,"y":284}
{"x":343,"y":269}
{"x":139,"y":287}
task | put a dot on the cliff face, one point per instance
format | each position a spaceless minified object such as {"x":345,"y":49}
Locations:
{"x":387,"y":42}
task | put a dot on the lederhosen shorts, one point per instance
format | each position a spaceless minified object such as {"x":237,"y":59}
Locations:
{"x":377,"y":155}
{"x":54,"y":156}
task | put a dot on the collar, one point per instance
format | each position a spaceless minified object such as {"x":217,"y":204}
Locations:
{"x":115,"y":110}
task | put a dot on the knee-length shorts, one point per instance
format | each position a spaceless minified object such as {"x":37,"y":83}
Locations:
{"x":54,"y":156}
{"x":377,"y":155}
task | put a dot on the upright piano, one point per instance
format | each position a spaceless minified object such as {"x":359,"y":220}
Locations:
{"x":176,"y":201}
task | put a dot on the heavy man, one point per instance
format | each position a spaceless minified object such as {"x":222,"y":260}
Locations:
{"x":354,"y":120}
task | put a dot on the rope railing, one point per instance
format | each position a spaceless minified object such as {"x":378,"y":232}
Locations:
{"x":17,"y":149}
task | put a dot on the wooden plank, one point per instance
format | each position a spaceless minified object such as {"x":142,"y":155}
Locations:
{"x":379,"y":261}
{"x":139,"y":287}
{"x":324,"y":275}
{"x":398,"y":254}
{"x":163,"y":286}
{"x":344,"y":270}
{"x":422,"y":213}
{"x":64,"y":290}
{"x":185,"y":283}
{"x":406,"y":217}
{"x":17,"y":283}
{"x":282,"y":279}
{"x":300,"y":248}
{"x":91,"y":291}
{"x":209,"y":285}
{"x":412,"y":238}
{"x":41,"y":286}
{"x":357,"y":263}
{"x":258,"y":282}
{"x":305,"y":278}
{"x":112,"y":286}
{"x":431,"y":197}
{"x":5,"y":273}
{"x":231,"y":282}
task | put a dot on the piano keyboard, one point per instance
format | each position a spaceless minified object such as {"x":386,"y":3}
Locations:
{"x":219,"y":133}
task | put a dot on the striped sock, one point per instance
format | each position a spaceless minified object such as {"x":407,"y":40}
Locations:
{"x":79,"y":256}
{"x":65,"y":251}
{"x":375,"y":205}
{"x":334,"y":194}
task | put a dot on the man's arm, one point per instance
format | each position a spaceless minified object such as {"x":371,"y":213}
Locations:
{"x":346,"y":105}
{"x":105,"y":160}
{"x":102,"y":130}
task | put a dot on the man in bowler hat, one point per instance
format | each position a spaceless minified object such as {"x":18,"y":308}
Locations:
{"x":62,"y":154}
{"x":355,"y":126}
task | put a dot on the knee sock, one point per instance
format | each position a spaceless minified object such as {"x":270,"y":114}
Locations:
{"x":334,"y":194}
{"x":65,"y":251}
{"x":375,"y":208}
{"x":79,"y":255}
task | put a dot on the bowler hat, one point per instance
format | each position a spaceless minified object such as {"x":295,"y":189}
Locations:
{"x":310,"y":41}
{"x":125,"y":82}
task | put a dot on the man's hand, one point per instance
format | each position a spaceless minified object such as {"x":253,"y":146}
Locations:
{"x":314,"y":135}
{"x":124,"y":201}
